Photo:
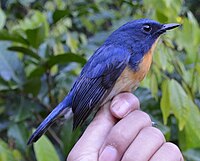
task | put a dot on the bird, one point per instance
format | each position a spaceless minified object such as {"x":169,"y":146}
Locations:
{"x":117,"y":66}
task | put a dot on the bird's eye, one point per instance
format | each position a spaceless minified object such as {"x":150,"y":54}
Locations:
{"x":147,"y":28}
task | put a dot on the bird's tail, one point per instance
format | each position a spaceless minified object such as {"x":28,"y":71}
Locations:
{"x":49,"y":120}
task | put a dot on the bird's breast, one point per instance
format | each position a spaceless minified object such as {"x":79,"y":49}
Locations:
{"x":129,"y":79}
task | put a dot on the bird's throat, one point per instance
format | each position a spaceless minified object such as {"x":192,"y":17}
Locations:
{"x":144,"y":64}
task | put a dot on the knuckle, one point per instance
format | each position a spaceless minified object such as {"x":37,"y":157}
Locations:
{"x":121,"y":136}
{"x":144,"y":117}
{"x":155,"y":133}
{"x":118,"y":138}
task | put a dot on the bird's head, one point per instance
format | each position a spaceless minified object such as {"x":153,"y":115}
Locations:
{"x":139,"y":34}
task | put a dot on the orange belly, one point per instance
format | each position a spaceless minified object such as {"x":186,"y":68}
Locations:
{"x":129,"y":80}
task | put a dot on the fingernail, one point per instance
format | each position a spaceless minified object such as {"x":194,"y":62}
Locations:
{"x":121,"y":108}
{"x":109,"y":153}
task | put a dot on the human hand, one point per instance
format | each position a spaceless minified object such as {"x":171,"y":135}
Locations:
{"x":121,"y":132}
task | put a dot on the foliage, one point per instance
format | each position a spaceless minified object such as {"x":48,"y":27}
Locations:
{"x":43,"y":46}
{"x":44,"y":150}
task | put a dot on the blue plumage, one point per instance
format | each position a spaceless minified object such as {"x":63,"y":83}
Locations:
{"x":96,"y":80}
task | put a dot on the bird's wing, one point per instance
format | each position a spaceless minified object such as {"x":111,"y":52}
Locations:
{"x":96,"y":80}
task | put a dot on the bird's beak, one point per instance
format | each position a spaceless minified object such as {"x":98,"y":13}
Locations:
{"x":166,"y":27}
{"x":169,"y":26}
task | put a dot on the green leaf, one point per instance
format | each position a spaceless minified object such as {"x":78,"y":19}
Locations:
{"x":65,"y":58}
{"x":12,"y":36}
{"x":179,"y":102}
{"x":26,"y":2}
{"x":35,"y":27}
{"x":25,"y":51}
{"x":189,"y":32}
{"x":161,"y":17}
{"x":23,"y":110}
{"x":189,"y":137}
{"x":2,"y":19}
{"x":10,"y":67}
{"x":32,"y":85}
{"x":68,"y":136}
{"x":36,"y":36}
{"x":36,"y":20}
{"x":154,"y":86}
{"x":160,"y":57}
{"x":37,"y":72}
{"x":58,"y":14}
{"x":44,"y":150}
{"x":72,"y":42}
{"x":164,"y":104}
{"x":176,"y":101}
{"x":7,"y":154}
{"x":57,"y":59}
{"x":19,"y":133}
{"x":192,"y":154}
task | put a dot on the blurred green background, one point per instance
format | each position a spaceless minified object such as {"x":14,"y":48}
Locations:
{"x":45,"y":43}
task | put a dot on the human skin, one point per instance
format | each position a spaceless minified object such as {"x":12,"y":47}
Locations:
{"x":122,"y":132}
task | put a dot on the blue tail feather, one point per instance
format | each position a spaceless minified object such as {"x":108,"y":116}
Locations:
{"x":49,"y":120}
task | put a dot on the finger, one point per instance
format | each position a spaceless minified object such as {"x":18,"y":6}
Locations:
{"x":123,"y":104}
{"x":94,"y":136}
{"x":123,"y":133}
{"x":148,"y":141}
{"x":168,"y":152}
